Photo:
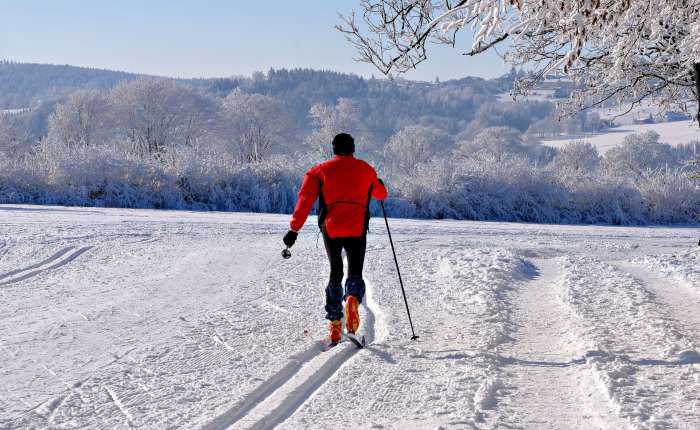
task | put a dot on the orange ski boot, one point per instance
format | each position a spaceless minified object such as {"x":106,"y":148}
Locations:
{"x":335,"y":331}
{"x":352,"y":314}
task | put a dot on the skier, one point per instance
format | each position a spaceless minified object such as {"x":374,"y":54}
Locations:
{"x":344,"y":186}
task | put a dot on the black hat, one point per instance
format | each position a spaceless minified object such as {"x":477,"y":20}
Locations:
{"x":343,"y":144}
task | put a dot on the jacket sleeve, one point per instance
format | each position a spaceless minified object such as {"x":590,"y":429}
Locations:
{"x":307,"y":196}
{"x":379,"y":191}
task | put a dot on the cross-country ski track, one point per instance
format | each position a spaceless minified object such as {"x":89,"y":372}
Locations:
{"x":280,"y":396}
{"x":33,"y":270}
{"x":118,"y":319}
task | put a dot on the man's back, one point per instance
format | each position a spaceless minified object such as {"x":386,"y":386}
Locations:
{"x":344,"y":185}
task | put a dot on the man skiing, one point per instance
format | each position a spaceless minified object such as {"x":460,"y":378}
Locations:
{"x":344,"y":186}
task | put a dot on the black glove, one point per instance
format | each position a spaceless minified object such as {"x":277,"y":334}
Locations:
{"x":290,"y":238}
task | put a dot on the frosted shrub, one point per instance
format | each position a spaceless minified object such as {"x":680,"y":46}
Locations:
{"x":413,"y":145}
{"x":483,"y":186}
{"x":63,"y":175}
{"x":479,"y":188}
{"x":670,"y":196}
{"x":80,"y":121}
{"x":499,"y":142}
{"x":576,"y":158}
{"x":638,"y":154}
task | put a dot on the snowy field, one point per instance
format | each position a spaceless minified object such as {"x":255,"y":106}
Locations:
{"x":116,"y":319}
{"x":673,"y":133}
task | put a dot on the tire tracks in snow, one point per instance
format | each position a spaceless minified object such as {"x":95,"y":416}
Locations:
{"x":681,"y":301}
{"x":545,"y":364}
{"x":637,"y":340}
{"x":286,"y":391}
{"x":22,"y":274}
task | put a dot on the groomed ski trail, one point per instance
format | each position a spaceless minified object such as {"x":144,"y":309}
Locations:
{"x":545,"y":364}
{"x":280,"y":396}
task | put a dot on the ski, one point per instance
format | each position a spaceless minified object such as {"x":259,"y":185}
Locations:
{"x":330,"y":345}
{"x":359,"y":342}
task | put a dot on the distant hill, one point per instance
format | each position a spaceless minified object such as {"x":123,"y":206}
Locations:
{"x":23,"y":83}
{"x":386,"y":105}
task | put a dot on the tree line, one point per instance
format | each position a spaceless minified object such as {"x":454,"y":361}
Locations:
{"x":447,"y":150}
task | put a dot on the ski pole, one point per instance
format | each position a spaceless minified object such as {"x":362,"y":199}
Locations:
{"x":403,"y":291}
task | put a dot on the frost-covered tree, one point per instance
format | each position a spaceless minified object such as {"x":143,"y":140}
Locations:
{"x":81,"y":120}
{"x":695,"y":170}
{"x":258,"y":123}
{"x":624,"y":50}
{"x":638,"y":155}
{"x":577,"y":158}
{"x":496,"y":141}
{"x":414,"y":145}
{"x":15,"y":138}
{"x":327,"y":120}
{"x":160,"y":114}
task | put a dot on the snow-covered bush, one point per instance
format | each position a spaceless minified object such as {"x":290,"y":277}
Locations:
{"x":576,"y":159}
{"x":415,"y":144}
{"x":671,"y":197}
{"x":258,"y":123}
{"x":479,"y":187}
{"x":638,"y":154}
{"x":499,"y":142}
{"x":113,"y":176}
{"x":157,"y":115}
{"x":81,"y":120}
{"x":483,"y":187}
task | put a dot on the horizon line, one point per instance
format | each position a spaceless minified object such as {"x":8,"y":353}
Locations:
{"x":234,"y":76}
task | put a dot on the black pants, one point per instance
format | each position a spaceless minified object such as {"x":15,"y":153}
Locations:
{"x":354,"y":285}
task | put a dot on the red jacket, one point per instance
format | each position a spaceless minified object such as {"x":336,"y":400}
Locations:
{"x":344,"y":185}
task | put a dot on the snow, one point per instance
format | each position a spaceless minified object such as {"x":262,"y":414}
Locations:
{"x":673,"y":133}
{"x":116,"y":318}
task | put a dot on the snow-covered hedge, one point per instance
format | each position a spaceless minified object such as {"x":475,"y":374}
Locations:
{"x":514,"y":190}
{"x":475,"y":188}
{"x":105,"y":177}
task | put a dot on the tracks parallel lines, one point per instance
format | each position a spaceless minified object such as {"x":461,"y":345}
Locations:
{"x":22,"y":274}
{"x":287,"y":390}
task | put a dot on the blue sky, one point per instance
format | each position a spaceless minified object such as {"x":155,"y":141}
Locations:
{"x":205,"y":38}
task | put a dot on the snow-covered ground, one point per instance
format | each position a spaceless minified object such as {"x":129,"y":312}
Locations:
{"x":673,"y":133}
{"x":164,"y":319}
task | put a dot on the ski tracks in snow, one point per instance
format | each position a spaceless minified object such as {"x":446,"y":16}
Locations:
{"x":22,"y":274}
{"x":280,"y":396}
